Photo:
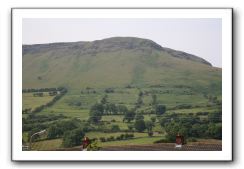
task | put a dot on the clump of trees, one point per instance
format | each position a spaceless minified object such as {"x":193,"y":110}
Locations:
{"x":140,"y":125}
{"x":73,"y":138}
{"x":160,"y":110}
{"x":129,"y":116}
{"x":31,"y":90}
{"x":38,"y":94}
{"x":57,"y":129}
{"x":125,"y":136}
{"x":35,"y":123}
{"x":96,"y":113}
{"x":139,"y":101}
{"x":149,"y":126}
{"x":109,"y":90}
{"x":191,"y":126}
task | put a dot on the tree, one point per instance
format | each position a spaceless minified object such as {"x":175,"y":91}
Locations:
{"x":214,"y":131}
{"x":174,"y":128}
{"x":154,"y":99}
{"x":149,"y":126}
{"x":140,"y":94}
{"x":96,"y":113}
{"x":198,"y":130}
{"x":130,"y":127}
{"x":160,"y":109}
{"x":113,"y":108}
{"x":140,"y":125}
{"x":129,"y":116}
{"x":115,"y":128}
{"x":104,"y":100}
{"x":122,"y":109}
{"x":54,"y":132}
{"x":139,"y":116}
{"x":139,"y":102}
{"x":215,"y":117}
{"x":153,"y":119}
{"x":73,"y":138}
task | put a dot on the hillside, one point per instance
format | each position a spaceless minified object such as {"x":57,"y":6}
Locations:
{"x":116,"y":62}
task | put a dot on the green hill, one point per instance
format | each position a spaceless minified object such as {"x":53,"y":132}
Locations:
{"x":116,"y":62}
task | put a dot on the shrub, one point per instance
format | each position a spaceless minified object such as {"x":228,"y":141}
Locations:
{"x":115,"y":128}
{"x":122,"y":136}
{"x":162,"y":141}
{"x":93,"y":146}
{"x":111,"y":138}
{"x":140,"y":125}
{"x":150,"y":134}
{"x":118,"y":138}
{"x":130,"y":135}
{"x":192,"y":139}
{"x":102,"y":139}
{"x":73,"y":138}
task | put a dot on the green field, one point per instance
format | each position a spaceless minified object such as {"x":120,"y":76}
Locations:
{"x":140,"y":139}
{"x":30,"y":101}
{"x":47,"y":145}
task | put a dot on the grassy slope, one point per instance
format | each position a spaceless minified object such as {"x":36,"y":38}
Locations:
{"x":116,"y":69}
{"x":29,"y":101}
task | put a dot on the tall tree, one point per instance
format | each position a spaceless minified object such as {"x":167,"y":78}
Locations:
{"x":140,"y":125}
{"x":154,"y":99}
{"x":149,"y":126}
{"x":160,"y":109}
{"x":73,"y":138}
{"x":96,"y":113}
{"x":129,"y":116}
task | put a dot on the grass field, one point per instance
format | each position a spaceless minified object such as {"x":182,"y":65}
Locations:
{"x":47,"y":145}
{"x":67,"y":104}
{"x":140,"y":139}
{"x":30,"y":101}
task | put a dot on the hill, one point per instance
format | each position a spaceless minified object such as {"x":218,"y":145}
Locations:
{"x":116,"y":62}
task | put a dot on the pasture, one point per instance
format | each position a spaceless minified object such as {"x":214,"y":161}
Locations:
{"x":77,"y":104}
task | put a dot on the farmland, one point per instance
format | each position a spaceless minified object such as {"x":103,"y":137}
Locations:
{"x":77,"y":105}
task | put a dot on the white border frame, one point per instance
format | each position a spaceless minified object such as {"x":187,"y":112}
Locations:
{"x":18,"y":155}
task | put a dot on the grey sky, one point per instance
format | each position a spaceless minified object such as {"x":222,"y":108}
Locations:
{"x":202,"y":37}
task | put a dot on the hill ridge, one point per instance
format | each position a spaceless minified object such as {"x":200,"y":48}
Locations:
{"x":113,"y":44}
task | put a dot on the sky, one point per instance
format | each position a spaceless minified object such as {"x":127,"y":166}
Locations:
{"x":201,"y":36}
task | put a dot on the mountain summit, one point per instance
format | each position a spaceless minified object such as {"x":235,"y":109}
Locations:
{"x":111,"y":45}
{"x":115,"y":62}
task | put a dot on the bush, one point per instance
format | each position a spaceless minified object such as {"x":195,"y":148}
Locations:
{"x":118,"y":138}
{"x":111,"y":138}
{"x":140,"y":125}
{"x":163,"y":141}
{"x":122,"y":136}
{"x":130,"y":135}
{"x":93,"y":146}
{"x":192,"y":139}
{"x":102,"y":139}
{"x":73,"y":138}
{"x":215,"y":131}
{"x":115,"y":128}
{"x":130,"y":127}
{"x":150,"y":134}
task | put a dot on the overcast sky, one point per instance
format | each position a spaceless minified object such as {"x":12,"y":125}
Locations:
{"x":201,"y":37}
